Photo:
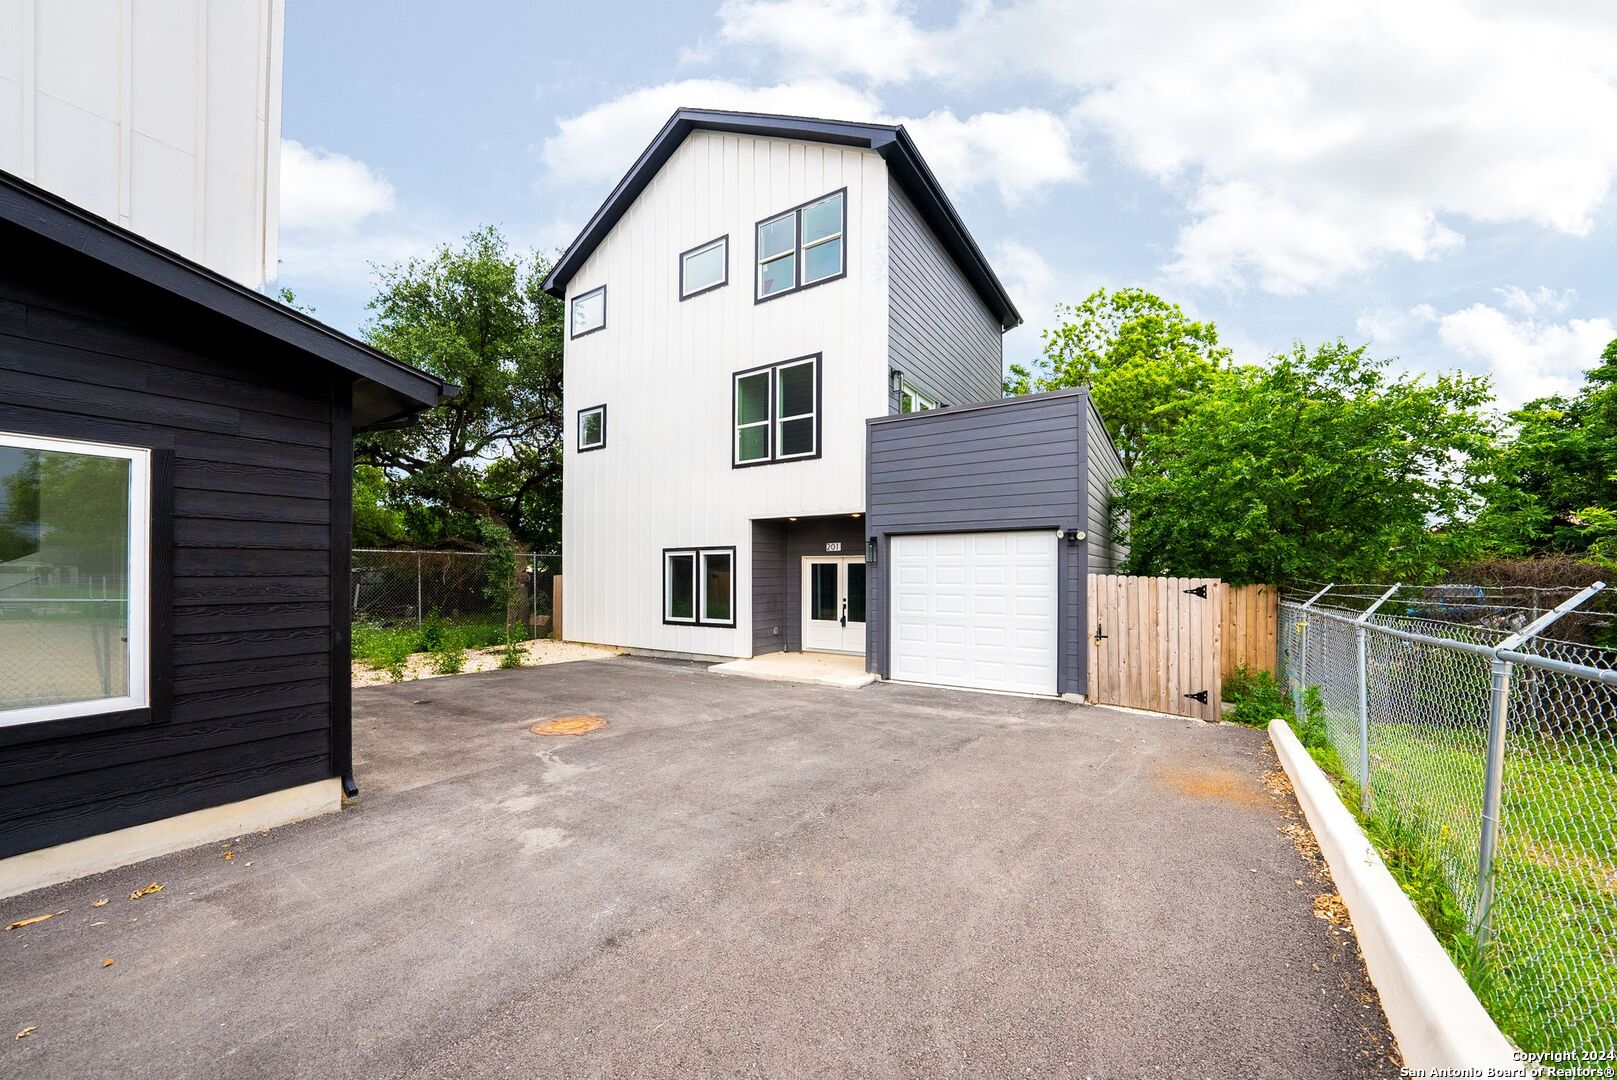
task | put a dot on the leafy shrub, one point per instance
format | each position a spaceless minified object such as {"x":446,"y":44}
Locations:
{"x":449,"y":658}
{"x":431,"y":635}
{"x":513,"y":656}
{"x":1256,"y":696}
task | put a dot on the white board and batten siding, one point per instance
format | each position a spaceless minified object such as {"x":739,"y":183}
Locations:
{"x":164,"y":118}
{"x":663,"y":368}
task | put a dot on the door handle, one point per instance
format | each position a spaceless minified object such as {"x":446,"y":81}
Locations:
{"x":844,"y":619}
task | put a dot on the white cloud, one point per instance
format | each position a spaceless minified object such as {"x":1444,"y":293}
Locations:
{"x":1528,"y":357}
{"x":323,"y":191}
{"x":1541,"y":301}
{"x":601,"y":143}
{"x":1389,"y":326}
{"x":1308,"y":143}
{"x":1019,"y":152}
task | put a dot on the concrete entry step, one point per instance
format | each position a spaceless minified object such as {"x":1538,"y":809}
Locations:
{"x":827,"y":669}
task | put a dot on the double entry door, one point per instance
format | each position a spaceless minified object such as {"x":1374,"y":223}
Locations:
{"x":834,"y":603}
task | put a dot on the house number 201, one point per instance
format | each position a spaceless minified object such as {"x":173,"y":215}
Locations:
{"x":833,"y":545}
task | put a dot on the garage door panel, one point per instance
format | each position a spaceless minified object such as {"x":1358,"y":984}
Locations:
{"x":976,"y":609}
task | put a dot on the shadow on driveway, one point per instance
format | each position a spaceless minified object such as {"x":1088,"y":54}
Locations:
{"x":731,"y":878}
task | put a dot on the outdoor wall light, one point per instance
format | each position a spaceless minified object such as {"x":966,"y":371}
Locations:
{"x":895,"y":380}
{"x":1075,"y":535}
{"x":870,"y":551}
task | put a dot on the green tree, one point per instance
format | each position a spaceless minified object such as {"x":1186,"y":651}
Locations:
{"x":476,"y":316}
{"x":1556,"y":476}
{"x":1146,"y":364}
{"x":376,"y":523}
{"x":1319,"y":465}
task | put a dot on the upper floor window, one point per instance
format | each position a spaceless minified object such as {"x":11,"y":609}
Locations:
{"x":74,"y":572}
{"x":912,"y":400}
{"x":589,"y":311}
{"x":704,"y":268}
{"x":804,"y":246}
{"x":592,"y":428}
{"x":777,"y":412}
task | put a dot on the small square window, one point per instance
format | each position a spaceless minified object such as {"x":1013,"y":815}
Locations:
{"x":592,"y":428}
{"x":704,"y":268}
{"x":589,"y":312}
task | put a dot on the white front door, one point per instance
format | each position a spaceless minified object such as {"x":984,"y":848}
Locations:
{"x":976,"y":609}
{"x":834,"y":604}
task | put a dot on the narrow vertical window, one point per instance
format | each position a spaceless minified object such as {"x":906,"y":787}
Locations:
{"x":796,"y":409}
{"x":752,"y":417}
{"x":592,"y":428}
{"x":589,"y":311}
{"x":777,"y":255}
{"x":679,"y":586}
{"x":718,"y":587}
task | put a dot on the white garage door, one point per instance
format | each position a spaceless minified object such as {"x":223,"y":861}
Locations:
{"x":975,"y":609}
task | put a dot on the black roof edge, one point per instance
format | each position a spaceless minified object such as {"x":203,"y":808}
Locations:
{"x":892,"y":142}
{"x":53,"y":218}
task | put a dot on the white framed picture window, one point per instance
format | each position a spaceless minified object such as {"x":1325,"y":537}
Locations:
{"x":75,"y":578}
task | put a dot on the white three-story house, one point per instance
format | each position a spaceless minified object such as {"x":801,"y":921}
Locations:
{"x":749,"y":307}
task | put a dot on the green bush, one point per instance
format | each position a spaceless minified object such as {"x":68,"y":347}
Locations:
{"x":512,"y":657}
{"x":449,"y":658}
{"x":1256,"y":696}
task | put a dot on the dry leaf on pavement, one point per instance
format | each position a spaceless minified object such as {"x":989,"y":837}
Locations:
{"x":156,"y":886}
{"x":108,"y":962}
{"x":27,"y":1031}
{"x":20,"y":923}
{"x":99,"y":903}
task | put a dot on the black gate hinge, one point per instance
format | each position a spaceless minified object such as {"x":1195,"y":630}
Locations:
{"x":1200,"y":695}
{"x":1200,"y":590}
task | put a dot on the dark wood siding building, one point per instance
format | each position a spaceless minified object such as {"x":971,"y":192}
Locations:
{"x":238,"y":413}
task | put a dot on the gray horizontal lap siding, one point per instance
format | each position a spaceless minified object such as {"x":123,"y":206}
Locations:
{"x":1017,"y":465}
{"x":250,"y":426}
{"x":1105,"y":553}
{"x":940,"y":333}
{"x":768,"y":587}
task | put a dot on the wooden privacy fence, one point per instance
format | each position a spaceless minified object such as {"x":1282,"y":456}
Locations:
{"x":1165,"y":644}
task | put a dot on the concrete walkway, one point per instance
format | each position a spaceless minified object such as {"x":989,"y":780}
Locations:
{"x":825,"y":669}
{"x":731,"y":878}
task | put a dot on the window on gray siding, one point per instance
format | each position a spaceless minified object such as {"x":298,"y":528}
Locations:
{"x":912,"y":400}
{"x":704,"y":268}
{"x":804,"y":246}
{"x":776,"y":412}
{"x":589,"y":312}
{"x":699,"y":586}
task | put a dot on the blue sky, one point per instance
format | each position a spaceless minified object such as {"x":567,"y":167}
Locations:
{"x":1434,"y":179}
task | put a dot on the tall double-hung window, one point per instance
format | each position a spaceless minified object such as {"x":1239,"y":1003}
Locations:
{"x":776,"y":412}
{"x":806,"y":245}
{"x":75,"y":572}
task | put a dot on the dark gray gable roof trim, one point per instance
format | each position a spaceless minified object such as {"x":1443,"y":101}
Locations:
{"x":893,"y":143}
{"x":407,"y":390}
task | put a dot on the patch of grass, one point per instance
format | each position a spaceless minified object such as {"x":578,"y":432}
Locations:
{"x":1546,"y":975}
{"x":449,"y":658}
{"x":513,"y":655}
{"x":1255,"y":696}
{"x":389,"y":648}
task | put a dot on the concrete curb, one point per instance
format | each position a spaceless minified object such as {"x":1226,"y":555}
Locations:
{"x":1437,"y":1020}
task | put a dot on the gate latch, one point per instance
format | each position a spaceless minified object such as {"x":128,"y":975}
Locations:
{"x":1200,"y":695}
{"x":1100,"y":634}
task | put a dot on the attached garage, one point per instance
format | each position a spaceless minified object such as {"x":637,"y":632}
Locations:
{"x":976,"y":609}
{"x":982,"y":525}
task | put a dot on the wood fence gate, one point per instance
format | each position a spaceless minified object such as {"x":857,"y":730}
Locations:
{"x":1157,"y":643}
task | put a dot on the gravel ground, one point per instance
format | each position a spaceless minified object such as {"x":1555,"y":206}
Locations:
{"x":534,"y":654}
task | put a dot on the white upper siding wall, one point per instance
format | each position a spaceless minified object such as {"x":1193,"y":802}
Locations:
{"x":663,"y":368}
{"x":163,"y":116}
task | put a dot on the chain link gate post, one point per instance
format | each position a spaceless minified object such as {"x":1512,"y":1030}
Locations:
{"x":418,"y":590}
{"x":1493,"y":779}
{"x":1364,"y":699}
{"x":1302,"y":665}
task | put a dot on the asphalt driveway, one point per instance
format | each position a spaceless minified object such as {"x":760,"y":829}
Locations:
{"x":732,"y":878}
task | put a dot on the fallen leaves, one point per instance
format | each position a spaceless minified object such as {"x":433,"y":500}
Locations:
{"x":20,"y":923}
{"x":154,"y":887}
{"x":27,"y":1031}
{"x":229,"y":855}
{"x":99,"y":903}
{"x":1329,"y":906}
{"x":108,"y":962}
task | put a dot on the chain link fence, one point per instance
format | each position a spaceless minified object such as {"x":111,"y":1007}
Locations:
{"x":1469,"y":722}
{"x":409,"y":588}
